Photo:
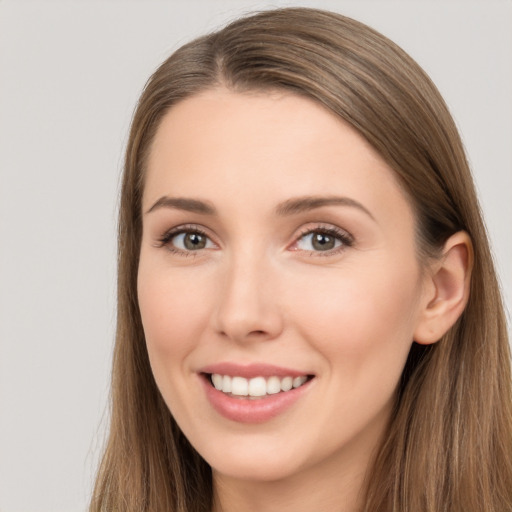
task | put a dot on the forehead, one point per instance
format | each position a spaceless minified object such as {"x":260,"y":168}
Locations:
{"x":270,"y":145}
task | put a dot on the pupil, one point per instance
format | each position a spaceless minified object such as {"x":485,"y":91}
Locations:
{"x":194,"y":241}
{"x":323,"y":242}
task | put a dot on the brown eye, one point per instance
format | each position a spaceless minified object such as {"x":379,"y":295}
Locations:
{"x":327,"y":240}
{"x":187,"y":241}
{"x":194,"y":241}
{"x":322,"y":242}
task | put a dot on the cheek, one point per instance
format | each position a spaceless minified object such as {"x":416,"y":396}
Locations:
{"x":360,"y":316}
{"x":174,"y":310}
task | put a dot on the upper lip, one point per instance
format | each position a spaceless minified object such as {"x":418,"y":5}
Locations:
{"x":252,"y":370}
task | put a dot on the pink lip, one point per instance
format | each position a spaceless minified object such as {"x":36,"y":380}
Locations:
{"x":250,"y":371}
{"x":247,"y":409}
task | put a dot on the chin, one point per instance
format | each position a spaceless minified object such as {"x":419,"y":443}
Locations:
{"x":255,"y":472}
{"x":255,"y":463}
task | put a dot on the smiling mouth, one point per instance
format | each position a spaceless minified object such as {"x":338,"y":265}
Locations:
{"x":257,"y":387}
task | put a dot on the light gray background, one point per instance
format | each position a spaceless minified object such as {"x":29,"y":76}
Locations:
{"x":70,"y":74}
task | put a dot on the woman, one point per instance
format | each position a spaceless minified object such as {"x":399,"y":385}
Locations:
{"x":309,"y":317}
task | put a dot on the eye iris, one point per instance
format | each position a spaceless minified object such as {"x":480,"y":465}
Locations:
{"x":323,"y":242}
{"x":194,"y":241}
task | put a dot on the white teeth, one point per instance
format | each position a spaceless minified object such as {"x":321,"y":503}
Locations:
{"x":217,"y":381}
{"x":273,"y":385}
{"x":226,"y":384}
{"x":257,"y":386}
{"x":286,"y":384}
{"x":239,"y":386}
{"x":298,"y":381}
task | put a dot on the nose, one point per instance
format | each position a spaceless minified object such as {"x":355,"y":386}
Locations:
{"x":248,"y":307}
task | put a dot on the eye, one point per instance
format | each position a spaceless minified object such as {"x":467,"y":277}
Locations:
{"x":186,"y":240}
{"x":191,"y":241}
{"x":326,"y":240}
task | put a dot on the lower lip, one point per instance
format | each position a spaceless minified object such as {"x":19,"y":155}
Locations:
{"x":252,"y":410}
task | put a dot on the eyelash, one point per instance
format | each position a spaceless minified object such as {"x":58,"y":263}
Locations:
{"x":344,"y":237}
{"x":165,"y":239}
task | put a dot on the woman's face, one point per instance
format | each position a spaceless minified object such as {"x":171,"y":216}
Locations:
{"x":277,"y":250}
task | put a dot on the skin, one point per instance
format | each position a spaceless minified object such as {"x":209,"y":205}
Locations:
{"x":260,"y":292}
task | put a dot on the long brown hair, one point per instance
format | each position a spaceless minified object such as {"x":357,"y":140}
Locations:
{"x":449,"y":443}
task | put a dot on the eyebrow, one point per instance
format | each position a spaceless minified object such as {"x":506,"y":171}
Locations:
{"x":303,"y":204}
{"x":184,"y":203}
{"x":292,"y":206}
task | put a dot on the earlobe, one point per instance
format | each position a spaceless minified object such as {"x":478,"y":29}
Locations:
{"x":447,"y":290}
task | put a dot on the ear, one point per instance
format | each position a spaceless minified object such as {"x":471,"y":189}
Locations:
{"x":446,"y":289}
